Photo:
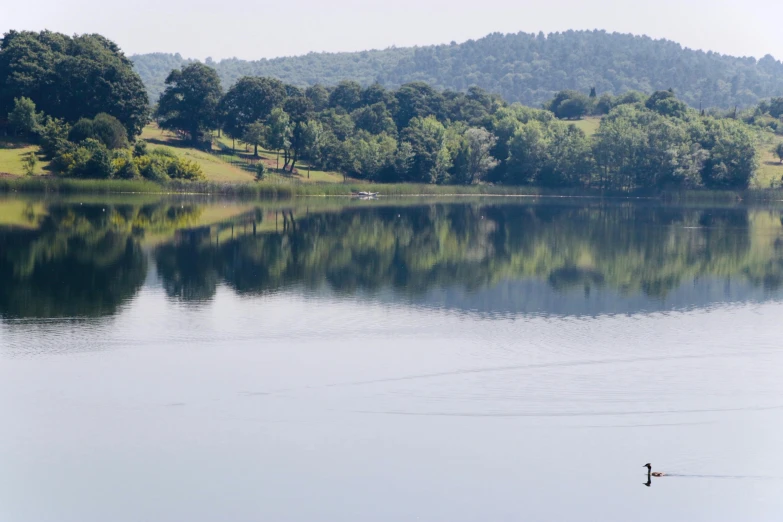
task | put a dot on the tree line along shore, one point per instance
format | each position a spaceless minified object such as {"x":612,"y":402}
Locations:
{"x":76,"y":105}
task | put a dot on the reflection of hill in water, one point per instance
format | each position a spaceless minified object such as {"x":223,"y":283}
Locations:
{"x":498,"y":258}
{"x":538,"y":297}
{"x":537,"y":257}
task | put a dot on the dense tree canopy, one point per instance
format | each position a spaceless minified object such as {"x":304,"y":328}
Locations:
{"x":104,"y":128}
{"x":248,"y":101}
{"x":71,"y":78}
{"x":522,"y":67}
{"x":190,"y":102}
{"x":421,"y":135}
{"x":413,"y":133}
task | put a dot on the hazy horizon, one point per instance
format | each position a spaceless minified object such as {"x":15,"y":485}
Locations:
{"x":263,"y":30}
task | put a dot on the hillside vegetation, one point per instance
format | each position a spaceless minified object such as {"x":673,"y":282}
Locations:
{"x":413,"y":134}
{"x":520,"y":67}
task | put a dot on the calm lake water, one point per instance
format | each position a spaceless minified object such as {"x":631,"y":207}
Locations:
{"x":479,"y":360}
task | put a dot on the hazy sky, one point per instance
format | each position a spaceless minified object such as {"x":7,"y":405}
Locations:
{"x":254,"y":29}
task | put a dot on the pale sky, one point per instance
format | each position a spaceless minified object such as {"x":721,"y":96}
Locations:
{"x":253,"y":29}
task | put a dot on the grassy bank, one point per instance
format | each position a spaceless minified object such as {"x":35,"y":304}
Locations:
{"x":275,"y":190}
{"x":12,"y":152}
{"x":264,"y":189}
{"x":230,"y":172}
{"x":70,"y":186}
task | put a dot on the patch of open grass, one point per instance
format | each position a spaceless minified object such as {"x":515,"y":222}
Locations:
{"x":11,"y":155}
{"x":66,"y":186}
{"x":588,"y":125}
{"x":238,"y":151}
{"x":770,"y":173}
{"x":214,"y":167}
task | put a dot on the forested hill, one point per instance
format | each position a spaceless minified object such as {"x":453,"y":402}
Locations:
{"x":521,"y":67}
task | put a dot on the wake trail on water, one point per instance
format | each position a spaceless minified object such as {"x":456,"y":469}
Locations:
{"x":736,"y":477}
{"x":534,"y":366}
{"x":569,"y":413}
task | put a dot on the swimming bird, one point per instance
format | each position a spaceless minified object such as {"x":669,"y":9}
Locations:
{"x":652,"y":473}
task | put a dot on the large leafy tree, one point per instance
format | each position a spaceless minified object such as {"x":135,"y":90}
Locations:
{"x":375,"y":119}
{"x":318,"y":96}
{"x":479,"y":160}
{"x":665,"y":103}
{"x":417,"y":100}
{"x":425,"y":135}
{"x":371,"y":155}
{"x":255,"y":134}
{"x":279,"y":131}
{"x":348,"y":95}
{"x":569,"y":105}
{"x":72,"y":78}
{"x":104,"y":128}
{"x":249,"y":100}
{"x":190,"y":102}
{"x":23,"y":118}
{"x":733,"y":154}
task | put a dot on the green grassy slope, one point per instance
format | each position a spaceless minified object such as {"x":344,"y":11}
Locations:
{"x":770,"y":173}
{"x":11,"y":154}
{"x":236,"y":165}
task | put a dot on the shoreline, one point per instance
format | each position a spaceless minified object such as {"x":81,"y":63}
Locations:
{"x":274,"y":191}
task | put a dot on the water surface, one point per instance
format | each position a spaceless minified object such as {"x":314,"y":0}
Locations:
{"x":495,"y":359}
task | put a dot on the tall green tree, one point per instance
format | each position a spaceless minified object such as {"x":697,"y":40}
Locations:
{"x":478,"y":157}
{"x":347,"y":94}
{"x":190,"y":102}
{"x":776,"y":107}
{"x":249,"y":100}
{"x":72,"y":77}
{"x":279,"y":133}
{"x":425,"y":135}
{"x":569,"y":105}
{"x":666,"y":104}
{"x":375,"y":119}
{"x":417,"y":100}
{"x":372,"y":155}
{"x":312,"y":142}
{"x":733,"y":155}
{"x":526,"y":154}
{"x":318,"y":96}
{"x":23,"y":118}
{"x":255,"y":134}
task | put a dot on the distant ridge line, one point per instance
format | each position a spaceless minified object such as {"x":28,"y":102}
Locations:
{"x":522,"y":67}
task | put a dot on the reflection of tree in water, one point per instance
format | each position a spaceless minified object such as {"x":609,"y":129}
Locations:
{"x":77,"y":264}
{"x":83,"y":260}
{"x":86,"y":260}
{"x":187,"y":266}
{"x":631,"y":248}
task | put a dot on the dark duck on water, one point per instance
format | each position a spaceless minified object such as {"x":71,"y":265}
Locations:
{"x":652,"y":473}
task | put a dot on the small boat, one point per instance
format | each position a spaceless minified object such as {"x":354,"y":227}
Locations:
{"x":365,"y":195}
